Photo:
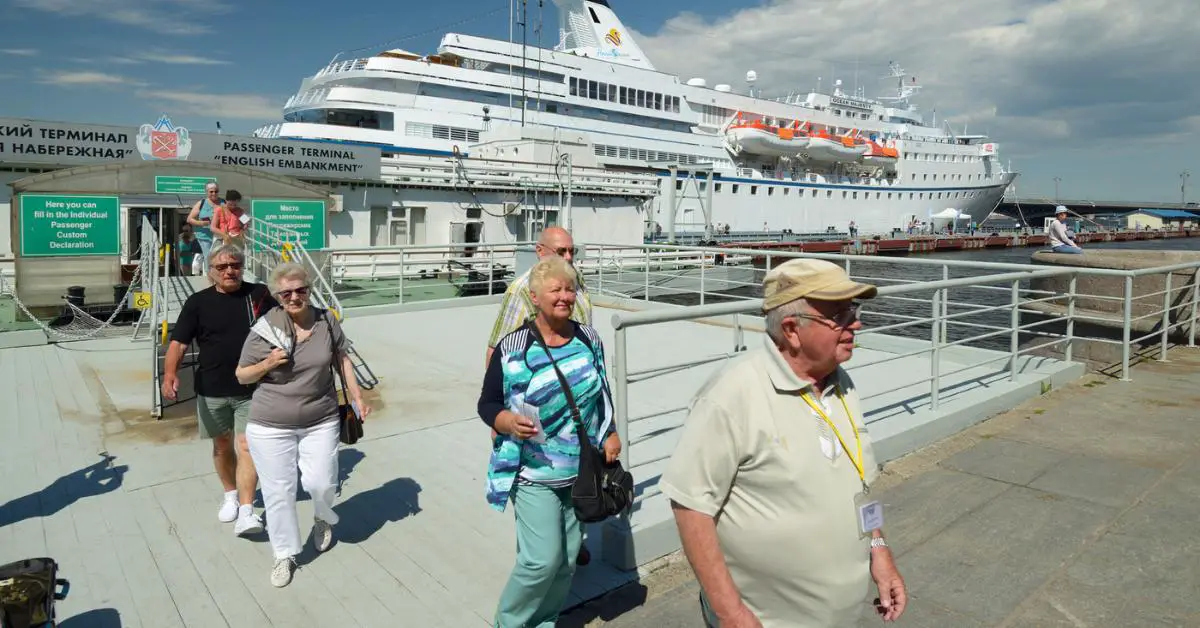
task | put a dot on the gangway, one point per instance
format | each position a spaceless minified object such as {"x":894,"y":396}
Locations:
{"x":268,"y":245}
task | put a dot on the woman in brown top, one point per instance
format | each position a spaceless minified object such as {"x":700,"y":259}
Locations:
{"x":294,"y":413}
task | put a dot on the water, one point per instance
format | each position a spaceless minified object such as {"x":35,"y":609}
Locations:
{"x":883,"y":271}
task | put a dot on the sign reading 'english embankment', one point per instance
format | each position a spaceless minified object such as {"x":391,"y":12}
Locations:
{"x":25,"y":141}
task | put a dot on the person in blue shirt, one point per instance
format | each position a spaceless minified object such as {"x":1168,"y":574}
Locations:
{"x":201,"y":217}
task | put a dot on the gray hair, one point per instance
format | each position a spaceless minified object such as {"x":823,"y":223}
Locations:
{"x":288,"y":271}
{"x":228,"y":250}
{"x":776,"y":317}
{"x":211,"y":184}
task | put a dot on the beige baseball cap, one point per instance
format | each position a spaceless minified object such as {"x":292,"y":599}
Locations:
{"x":811,"y":279}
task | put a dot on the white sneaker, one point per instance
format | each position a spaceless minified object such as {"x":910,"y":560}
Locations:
{"x":322,"y":535}
{"x":248,"y":524}
{"x":229,"y":508}
{"x":281,"y":575}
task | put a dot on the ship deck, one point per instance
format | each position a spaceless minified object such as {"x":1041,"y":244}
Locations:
{"x":127,"y":504}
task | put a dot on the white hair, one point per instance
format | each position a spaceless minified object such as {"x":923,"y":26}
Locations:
{"x":287,"y":271}
{"x":776,"y":317}
{"x":228,"y":250}
{"x":211,"y":184}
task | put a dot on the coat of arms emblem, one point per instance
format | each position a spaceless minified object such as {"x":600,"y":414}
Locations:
{"x":164,"y":140}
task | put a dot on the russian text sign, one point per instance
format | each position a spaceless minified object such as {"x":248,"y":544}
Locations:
{"x":307,"y":218}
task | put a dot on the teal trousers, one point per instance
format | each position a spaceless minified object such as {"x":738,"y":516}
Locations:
{"x":548,"y":539}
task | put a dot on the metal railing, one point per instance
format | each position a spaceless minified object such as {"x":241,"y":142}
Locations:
{"x":998,"y":319}
{"x":499,"y":174}
{"x":269,"y":244}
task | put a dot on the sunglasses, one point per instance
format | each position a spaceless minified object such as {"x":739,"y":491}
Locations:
{"x":562,"y":251}
{"x":842,"y":319}
{"x":224,"y":267}
{"x":300,"y":293}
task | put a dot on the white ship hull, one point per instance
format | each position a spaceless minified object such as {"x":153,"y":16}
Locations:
{"x":599,"y":83}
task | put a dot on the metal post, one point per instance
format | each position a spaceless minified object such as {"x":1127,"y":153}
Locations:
{"x":491,"y":267}
{"x":621,"y":403}
{"x":672,"y":181}
{"x":600,"y":271}
{"x":945,"y":301}
{"x":1166,"y":321}
{"x":1015,"y":339}
{"x":739,"y":334}
{"x":702,"y":265}
{"x":1127,"y":315}
{"x":1068,"y":353}
{"x":935,"y":354}
{"x":646,"y":274}
{"x":401,"y":297}
{"x":1195,"y":296}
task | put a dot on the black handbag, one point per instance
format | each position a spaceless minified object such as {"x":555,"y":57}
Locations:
{"x":28,"y":590}
{"x":350,"y":425}
{"x":602,"y":489}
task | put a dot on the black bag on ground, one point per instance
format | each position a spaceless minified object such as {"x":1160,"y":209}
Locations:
{"x":601,"y":489}
{"x":28,"y":590}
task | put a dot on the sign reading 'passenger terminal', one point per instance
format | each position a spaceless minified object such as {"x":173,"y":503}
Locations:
{"x":38,"y":142}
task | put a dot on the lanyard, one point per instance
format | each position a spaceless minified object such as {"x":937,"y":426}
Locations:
{"x":858,"y":464}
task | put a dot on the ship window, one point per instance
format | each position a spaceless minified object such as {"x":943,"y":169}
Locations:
{"x":828,"y":193}
{"x":837,"y":112}
{"x":574,"y":86}
{"x":658,"y":102}
{"x":814,"y":194}
{"x":641,"y":98}
{"x":910,"y":196}
{"x":889,"y":195}
{"x":595,"y":18}
{"x":844,"y":194}
{"x":877,"y":195}
{"x":603,"y":91}
{"x":551,"y":108}
{"x":717,"y":187}
{"x":735,"y":188}
{"x":622,"y":98}
{"x":612,"y":93}
{"x":593,"y":89}
{"x":787,"y":191}
{"x":855,"y":195}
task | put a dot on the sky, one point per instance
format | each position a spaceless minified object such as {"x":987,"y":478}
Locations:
{"x":1102,"y":94}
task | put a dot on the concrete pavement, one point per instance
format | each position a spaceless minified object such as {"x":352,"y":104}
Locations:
{"x":1075,"y":509}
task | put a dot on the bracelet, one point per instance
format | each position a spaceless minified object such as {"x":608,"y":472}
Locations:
{"x":878,"y":541}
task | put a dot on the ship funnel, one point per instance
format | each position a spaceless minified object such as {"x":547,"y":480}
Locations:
{"x":591,"y":28}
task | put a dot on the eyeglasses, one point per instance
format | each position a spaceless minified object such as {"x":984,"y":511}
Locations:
{"x":224,"y":267}
{"x":563,"y":250}
{"x":842,"y":319}
{"x":300,"y":293}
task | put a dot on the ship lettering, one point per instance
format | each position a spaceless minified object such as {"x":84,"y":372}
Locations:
{"x":49,"y":150}
{"x":318,"y":166}
{"x":248,"y":147}
{"x":75,"y":135}
{"x":249,"y":162}
{"x":326,"y":153}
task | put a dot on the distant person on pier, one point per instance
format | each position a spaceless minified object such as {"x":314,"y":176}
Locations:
{"x":230,"y":220}
{"x":517,"y":308}
{"x":218,"y":319}
{"x":853,"y":229}
{"x":1060,"y":239}
{"x":545,"y":389}
{"x":770,"y":482}
{"x":201,"y":218}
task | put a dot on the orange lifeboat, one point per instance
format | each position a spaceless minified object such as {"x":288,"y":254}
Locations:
{"x":756,"y":137}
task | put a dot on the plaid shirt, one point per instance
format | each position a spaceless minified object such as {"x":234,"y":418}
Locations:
{"x":517,"y":307}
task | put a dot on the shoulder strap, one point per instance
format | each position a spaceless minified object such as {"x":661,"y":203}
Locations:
{"x":334,"y":363}
{"x":562,"y":380}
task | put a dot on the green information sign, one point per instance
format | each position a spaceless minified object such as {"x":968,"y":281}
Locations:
{"x":305,"y":217}
{"x":181,"y":185}
{"x":68,"y":225}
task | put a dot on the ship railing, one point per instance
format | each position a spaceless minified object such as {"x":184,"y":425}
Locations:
{"x":348,"y":65}
{"x":442,"y":172}
{"x":267,"y":245}
{"x":992,"y":307}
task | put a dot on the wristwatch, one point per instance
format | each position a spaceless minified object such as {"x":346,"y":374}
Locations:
{"x":878,"y":541}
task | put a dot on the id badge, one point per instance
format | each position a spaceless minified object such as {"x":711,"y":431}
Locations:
{"x":869,"y":513}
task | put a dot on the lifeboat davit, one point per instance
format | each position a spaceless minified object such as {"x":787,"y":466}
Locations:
{"x":826,"y":147}
{"x":880,"y":155}
{"x":760,"y":138}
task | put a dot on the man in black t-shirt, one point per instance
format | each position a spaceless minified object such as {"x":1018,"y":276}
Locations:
{"x":218,"y":319}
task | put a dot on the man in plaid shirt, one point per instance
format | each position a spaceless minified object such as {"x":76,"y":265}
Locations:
{"x":517,"y":308}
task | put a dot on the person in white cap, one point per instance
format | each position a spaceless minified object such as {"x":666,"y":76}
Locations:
{"x":770,"y":482}
{"x":1060,"y":240}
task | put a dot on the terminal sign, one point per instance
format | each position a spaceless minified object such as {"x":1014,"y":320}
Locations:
{"x":181,"y":185}
{"x":69,"y":225}
{"x":307,"y":218}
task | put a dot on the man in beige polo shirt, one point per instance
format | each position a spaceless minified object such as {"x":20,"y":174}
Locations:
{"x":770,"y":480}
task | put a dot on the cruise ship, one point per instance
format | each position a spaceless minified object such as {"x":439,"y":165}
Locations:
{"x":801,"y":163}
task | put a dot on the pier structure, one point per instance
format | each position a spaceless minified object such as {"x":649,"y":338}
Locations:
{"x":124,"y":499}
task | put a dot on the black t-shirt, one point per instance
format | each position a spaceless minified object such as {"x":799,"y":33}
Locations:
{"x":219,"y":323}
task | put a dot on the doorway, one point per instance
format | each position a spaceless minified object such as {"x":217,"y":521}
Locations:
{"x":165,"y":220}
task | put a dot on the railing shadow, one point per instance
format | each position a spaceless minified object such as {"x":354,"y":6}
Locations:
{"x":90,"y":481}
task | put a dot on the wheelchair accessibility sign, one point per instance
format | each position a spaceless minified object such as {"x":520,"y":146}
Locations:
{"x":141,"y":300}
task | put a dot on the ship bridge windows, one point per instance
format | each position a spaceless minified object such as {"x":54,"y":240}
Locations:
{"x":361,"y":118}
{"x":595,"y":90}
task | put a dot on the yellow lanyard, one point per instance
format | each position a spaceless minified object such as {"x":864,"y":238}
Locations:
{"x":858,"y":464}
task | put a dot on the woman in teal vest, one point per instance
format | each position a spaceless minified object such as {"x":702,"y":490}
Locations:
{"x":201,"y":218}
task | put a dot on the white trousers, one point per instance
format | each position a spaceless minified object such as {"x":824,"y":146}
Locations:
{"x":277,"y":453}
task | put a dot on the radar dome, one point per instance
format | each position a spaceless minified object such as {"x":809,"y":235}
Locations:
{"x":751,"y":76}
{"x":697,"y":82}
{"x":723,"y":88}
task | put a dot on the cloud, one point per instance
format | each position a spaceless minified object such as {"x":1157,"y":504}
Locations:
{"x":1034,"y":73}
{"x":70,"y":79}
{"x":168,"y":17}
{"x":167,"y":58}
{"x":217,"y":106}
{"x":19,"y":52}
